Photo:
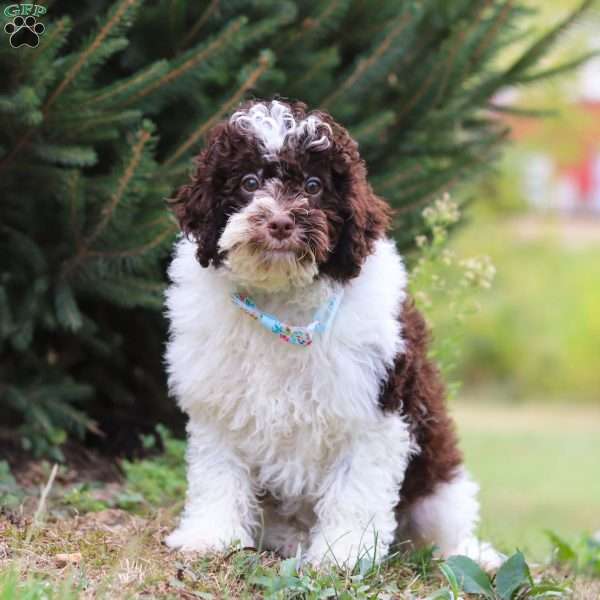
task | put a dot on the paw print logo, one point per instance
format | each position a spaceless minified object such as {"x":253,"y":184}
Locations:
{"x":24,"y":32}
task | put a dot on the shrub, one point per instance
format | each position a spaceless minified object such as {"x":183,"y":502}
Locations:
{"x":98,"y":124}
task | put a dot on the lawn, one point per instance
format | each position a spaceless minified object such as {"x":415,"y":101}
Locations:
{"x":538,"y":466}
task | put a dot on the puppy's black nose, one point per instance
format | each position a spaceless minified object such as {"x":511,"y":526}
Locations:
{"x":280,"y":227}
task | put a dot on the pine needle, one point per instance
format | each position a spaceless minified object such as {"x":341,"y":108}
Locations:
{"x":136,"y":153}
{"x":263,"y":64}
{"x":364,"y":65}
{"x":85,"y":54}
{"x":191,"y":62}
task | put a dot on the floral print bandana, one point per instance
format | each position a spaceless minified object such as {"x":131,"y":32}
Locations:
{"x":297,"y":335}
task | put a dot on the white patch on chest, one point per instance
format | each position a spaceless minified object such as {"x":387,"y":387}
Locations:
{"x":289,"y":411}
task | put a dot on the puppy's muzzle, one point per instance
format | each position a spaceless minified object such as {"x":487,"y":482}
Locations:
{"x":280,"y":226}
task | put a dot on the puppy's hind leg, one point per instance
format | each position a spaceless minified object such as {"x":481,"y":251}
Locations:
{"x":448,"y":517}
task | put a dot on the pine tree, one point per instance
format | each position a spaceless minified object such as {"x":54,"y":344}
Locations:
{"x":98,"y":125}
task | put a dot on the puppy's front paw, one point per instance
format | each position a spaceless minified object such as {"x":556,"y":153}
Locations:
{"x":345,"y":549}
{"x":204,"y":537}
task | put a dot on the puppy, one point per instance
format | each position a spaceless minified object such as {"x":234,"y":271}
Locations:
{"x":317,"y":422}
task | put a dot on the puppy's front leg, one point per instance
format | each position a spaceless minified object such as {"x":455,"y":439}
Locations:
{"x":221,"y":505}
{"x":355,"y":514}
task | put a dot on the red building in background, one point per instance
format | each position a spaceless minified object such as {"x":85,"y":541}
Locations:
{"x":567,"y":185}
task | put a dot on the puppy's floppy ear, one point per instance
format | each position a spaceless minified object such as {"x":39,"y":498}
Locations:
{"x":197,"y":206}
{"x":362,"y":217}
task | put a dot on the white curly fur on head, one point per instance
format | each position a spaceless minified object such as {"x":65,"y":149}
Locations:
{"x":274,"y":126}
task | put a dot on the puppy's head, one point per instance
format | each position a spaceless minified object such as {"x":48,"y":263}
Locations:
{"x":279,"y":197}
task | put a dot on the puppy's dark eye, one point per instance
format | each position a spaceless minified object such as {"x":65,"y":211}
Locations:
{"x":250,"y":183}
{"x":313,"y":186}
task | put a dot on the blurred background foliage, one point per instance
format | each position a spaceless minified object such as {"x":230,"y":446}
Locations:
{"x":536,"y":335}
{"x":526,"y":354}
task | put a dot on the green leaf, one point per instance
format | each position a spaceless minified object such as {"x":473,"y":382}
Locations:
{"x":547,"y":590}
{"x":443,"y":594}
{"x":451,"y":578}
{"x":470,"y":576}
{"x":562,"y":550}
{"x":512,"y":576}
{"x":288,"y":568}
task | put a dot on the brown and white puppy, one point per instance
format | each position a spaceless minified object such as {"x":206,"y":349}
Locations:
{"x":331,"y":435}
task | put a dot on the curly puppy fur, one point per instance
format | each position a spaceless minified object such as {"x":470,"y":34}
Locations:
{"x":355,"y":215}
{"x":342,"y":448}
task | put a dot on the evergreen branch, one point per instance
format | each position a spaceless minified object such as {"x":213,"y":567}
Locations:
{"x":399,"y":177}
{"x":450,"y":62}
{"x":190,"y":62}
{"x":409,"y":105}
{"x":423,"y":200}
{"x":70,"y":75}
{"x":263,"y":64}
{"x":122,"y":86}
{"x":536,"y":51}
{"x":169,"y":230}
{"x":109,"y":235}
{"x":56,"y":31}
{"x":210,"y":9}
{"x":499,"y":20}
{"x":366,"y":130}
{"x":314,"y":68}
{"x":85,"y":54}
{"x":471,"y":163}
{"x":406,"y":108}
{"x":484,"y":43}
{"x":145,"y":285}
{"x":309,"y":24}
{"x":559,"y":69}
{"x":23,"y":141}
{"x":528,"y":58}
{"x":107,"y":212}
{"x":72,"y":184}
{"x":430,"y":39}
{"x":144,"y":137}
{"x":364,"y":65}
{"x":517,"y":111}
{"x":80,"y":156}
{"x":84,"y":122}
{"x":130,"y":292}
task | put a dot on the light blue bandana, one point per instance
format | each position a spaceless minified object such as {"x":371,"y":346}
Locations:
{"x":297,"y":335}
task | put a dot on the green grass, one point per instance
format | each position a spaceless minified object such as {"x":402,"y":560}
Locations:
{"x":537,"y":471}
{"x":13,"y":588}
{"x":538,"y":467}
